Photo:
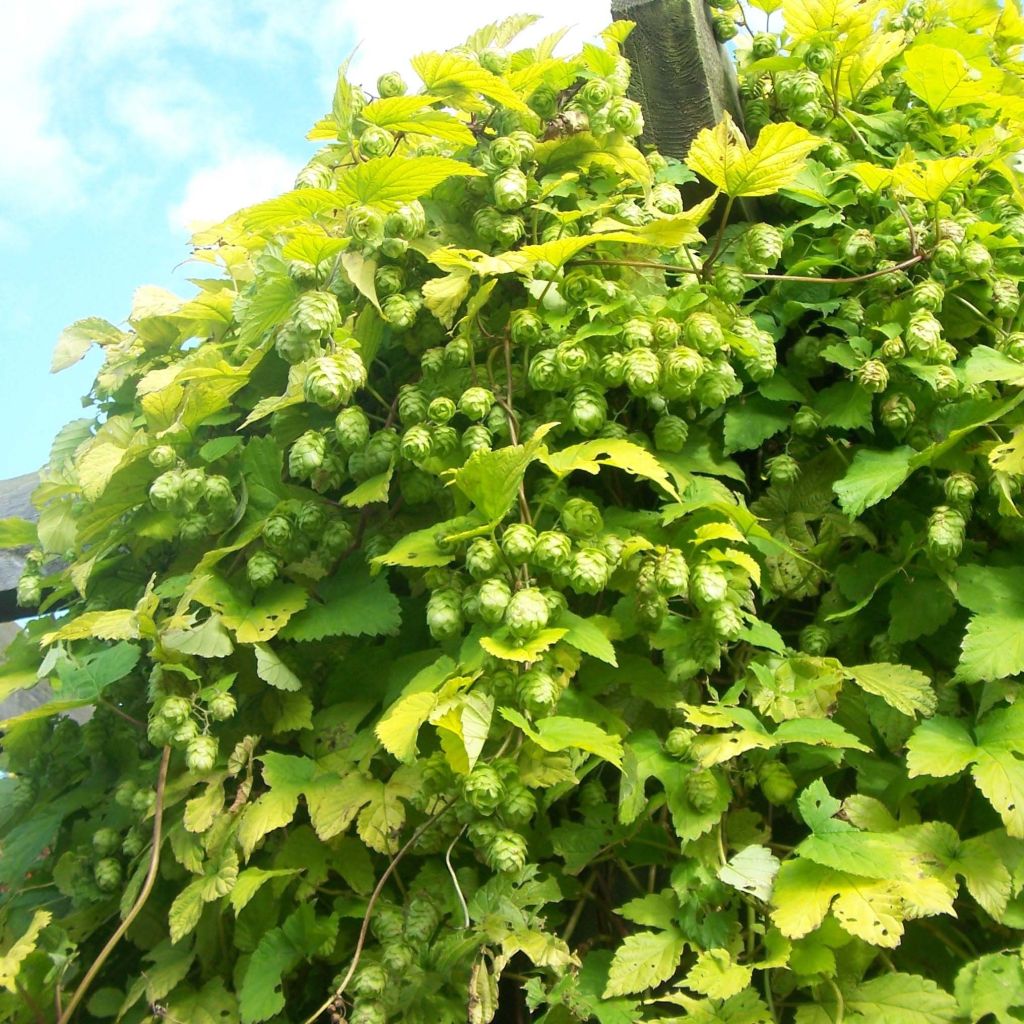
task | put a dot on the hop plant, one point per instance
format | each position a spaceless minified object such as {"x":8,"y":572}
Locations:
{"x":506,"y":851}
{"x":484,"y":789}
{"x":307,"y":455}
{"x":709,"y":584}
{"x":703,"y":332}
{"x":872,"y":375}
{"x":527,"y":613}
{"x":581,"y":518}
{"x":517,"y":543}
{"x":493,"y":599}
{"x":701,"y":789}
{"x":108,"y":874}
{"x":670,"y":433}
{"x":317,"y":313}
{"x":391,"y":84}
{"x":262,"y":569}
{"x":776,"y":783}
{"x":444,"y":614}
{"x":679,"y":742}
{"x":946,"y":532}
{"x":589,"y":571}
{"x":551,"y":551}
{"x":762,"y":248}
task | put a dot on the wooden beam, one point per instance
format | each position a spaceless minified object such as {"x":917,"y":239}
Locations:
{"x":15,"y":501}
{"x":682,"y":76}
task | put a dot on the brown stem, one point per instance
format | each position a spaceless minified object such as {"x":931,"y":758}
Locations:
{"x":140,"y":902}
{"x":374,"y":896}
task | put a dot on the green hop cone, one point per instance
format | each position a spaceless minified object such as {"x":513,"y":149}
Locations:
{"x":376,"y":141}
{"x":761,"y":249}
{"x":107,"y":873}
{"x":726,"y":621}
{"x":261,"y":569}
{"x":581,"y":518}
{"x":588,"y":410}
{"x":175,"y":710}
{"x":960,"y":489}
{"x":783,"y":470}
{"x":417,"y":443}
{"x":510,"y":190}
{"x":201,"y":754}
{"x":819,"y":57}
{"x":134,"y":843}
{"x":724,"y":27}
{"x":388,"y":280}
{"x":701,"y":788}
{"x":806,"y":422}
{"x":387,"y":922}
{"x":928,"y":295}
{"x":391,"y":84}
{"x":336,"y":538}
{"x":278,"y":533}
{"x":670,"y":433}
{"x":408,"y":221}
{"x":527,"y":613}
{"x":219,"y":495}
{"x":519,"y":805}
{"x":815,"y":640}
{"x":483,"y":558}
{"x":483,"y":789}
{"x":166,"y":492}
{"x":505,"y":152}
{"x":1005,"y":297}
{"x":552,"y":551}
{"x":125,"y":792}
{"x":703,"y":332}
{"x":589,"y":571}
{"x":221,"y":707}
{"x":594,"y":94}
{"x":487,"y":222}
{"x":400,"y":311}
{"x":946,"y":255}
{"x":441,"y":410}
{"x":976,"y":259}
{"x":678,"y":742}
{"x":476,"y":402}
{"x":897,"y":413}
{"x":493,"y":599}
{"x":29,"y":589}
{"x":517,"y":543}
{"x":317,"y":313}
{"x":638,"y":333}
{"x":946,"y":532}
{"x":860,"y":249}
{"x":194,"y":527}
{"x":642,"y":371}
{"x":370,"y":980}
{"x":507,"y":851}
{"x":537,"y":690}
{"x":525,"y":327}
{"x":476,"y":438}
{"x":672,"y":574}
{"x":332,"y":380}
{"x":163,"y":456}
{"x":666,"y":198}
{"x":717,"y":385}
{"x":709,"y":584}
{"x":924,"y":334}
{"x":683,"y":368}
{"x":105,"y":841}
{"x":352,"y":428}
{"x":368,"y":1011}
{"x":310,"y":519}
{"x":764,"y":44}
{"x":872,"y":375}
{"x":444,"y":614}
{"x":776,"y":783}
{"x":412,"y":405}
{"x":730,"y":282}
{"x":667,"y":332}
{"x":626,"y":116}
{"x":306,"y":455}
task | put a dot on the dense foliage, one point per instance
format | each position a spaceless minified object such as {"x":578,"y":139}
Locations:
{"x":507,"y":589}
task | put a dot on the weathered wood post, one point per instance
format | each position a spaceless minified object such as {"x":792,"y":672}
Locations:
{"x":15,"y":502}
{"x":682,"y":76}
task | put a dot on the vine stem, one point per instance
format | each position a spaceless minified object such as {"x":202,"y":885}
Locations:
{"x":719,"y":238}
{"x":374,"y":896}
{"x":840,"y":1002}
{"x":140,"y":902}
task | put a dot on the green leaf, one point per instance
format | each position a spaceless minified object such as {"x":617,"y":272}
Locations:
{"x":262,"y":993}
{"x":752,"y":871}
{"x":872,"y":476}
{"x":349,"y":602}
{"x":11,"y":961}
{"x":943,"y":79}
{"x":905,"y":689}
{"x":503,"y":646}
{"x":400,"y":726}
{"x":334,"y":804}
{"x":491,"y":479}
{"x":373,"y":491}
{"x":721,"y":155}
{"x":390,"y":180}
{"x":643,"y":961}
{"x":918,"y":607}
{"x":845,"y":405}
{"x":751,"y":421}
{"x":458,"y":79}
{"x":590,"y":456}
{"x":992,"y":984}
{"x":407,"y":114}
{"x":361,"y":270}
{"x":207,"y":640}
{"x":76,"y":340}
{"x":254,"y":617}
{"x":186,"y":910}
{"x":587,"y":636}
{"x":16,"y":533}
{"x":999,"y":774}
{"x":902,"y":999}
{"x":993,"y":647}
{"x":271,"y":669}
{"x":716,"y":975}
{"x":559,"y":733}
{"x":939,"y":747}
{"x":443,"y":296}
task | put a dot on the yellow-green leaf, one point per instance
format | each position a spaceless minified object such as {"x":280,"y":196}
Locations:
{"x":390,"y":180}
{"x":721,"y":155}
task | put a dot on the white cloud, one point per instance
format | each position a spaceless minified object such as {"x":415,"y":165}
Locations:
{"x":239,"y":180}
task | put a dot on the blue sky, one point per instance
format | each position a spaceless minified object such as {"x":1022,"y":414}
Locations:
{"x":126,"y":121}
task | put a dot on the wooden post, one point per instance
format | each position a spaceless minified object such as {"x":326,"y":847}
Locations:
{"x":682,"y":76}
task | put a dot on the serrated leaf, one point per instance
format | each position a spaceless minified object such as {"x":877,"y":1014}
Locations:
{"x":942,"y":78}
{"x":643,"y":961}
{"x":186,"y":910}
{"x":587,"y":636}
{"x":721,"y":155}
{"x":901,"y":687}
{"x":751,"y":421}
{"x":361,"y":270}
{"x":399,"y":727}
{"x":459,"y":79}
{"x":590,"y":456}
{"x":443,"y":296}
{"x":254,"y":617}
{"x":939,"y":747}
{"x":902,"y":999}
{"x":993,"y":647}
{"x":251,"y":880}
{"x":716,"y":975}
{"x":559,"y":732}
{"x":271,"y":669}
{"x":992,"y":984}
{"x":752,"y":871}
{"x":845,"y":405}
{"x":390,"y":180}
{"x":871,"y":477}
{"x":412,"y":114}
{"x":917,"y":608}
{"x":16,"y":533}
{"x":11,"y":960}
{"x":502,"y":645}
{"x":76,"y":340}
{"x":349,"y":602}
